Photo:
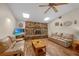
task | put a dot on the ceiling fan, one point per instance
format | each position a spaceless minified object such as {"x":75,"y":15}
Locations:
{"x":53,"y":6}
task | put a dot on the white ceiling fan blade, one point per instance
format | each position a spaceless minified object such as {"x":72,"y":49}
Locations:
{"x":47,"y":10}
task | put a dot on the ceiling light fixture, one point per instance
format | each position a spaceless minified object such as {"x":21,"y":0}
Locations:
{"x":46,"y":19}
{"x":25,"y":15}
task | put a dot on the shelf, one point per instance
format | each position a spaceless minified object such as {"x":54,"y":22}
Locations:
{"x":31,"y":28}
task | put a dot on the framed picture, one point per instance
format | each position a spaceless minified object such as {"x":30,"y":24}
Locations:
{"x":75,"y":21}
{"x":57,"y":24}
{"x":67,"y":23}
{"x":61,"y":24}
{"x":20,"y":24}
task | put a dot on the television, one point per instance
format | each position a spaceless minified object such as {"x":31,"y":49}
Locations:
{"x":18,"y":31}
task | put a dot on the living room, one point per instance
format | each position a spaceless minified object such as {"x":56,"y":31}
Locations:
{"x":39,"y":29}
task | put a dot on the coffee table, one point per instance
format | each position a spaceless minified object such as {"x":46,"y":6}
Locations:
{"x":39,"y":46}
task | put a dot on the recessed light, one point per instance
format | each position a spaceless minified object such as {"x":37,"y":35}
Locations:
{"x":25,"y":15}
{"x":46,"y":19}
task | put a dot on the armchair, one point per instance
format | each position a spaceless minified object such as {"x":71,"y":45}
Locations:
{"x":12,"y":47}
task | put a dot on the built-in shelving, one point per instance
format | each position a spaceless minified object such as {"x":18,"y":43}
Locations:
{"x":36,"y":29}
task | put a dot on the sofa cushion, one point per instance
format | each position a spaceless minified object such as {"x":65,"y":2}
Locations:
{"x":17,"y":46}
{"x":70,"y":36}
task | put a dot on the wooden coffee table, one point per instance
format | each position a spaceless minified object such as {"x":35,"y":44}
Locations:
{"x":39,"y":46}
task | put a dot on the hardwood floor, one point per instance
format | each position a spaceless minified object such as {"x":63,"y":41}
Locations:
{"x":52,"y":49}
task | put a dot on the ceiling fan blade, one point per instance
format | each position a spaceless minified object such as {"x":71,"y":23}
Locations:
{"x":47,"y":10}
{"x":54,"y":8}
{"x":43,"y":5}
{"x":57,"y":4}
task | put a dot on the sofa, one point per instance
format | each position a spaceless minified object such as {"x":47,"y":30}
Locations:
{"x":65,"y":41}
{"x":9,"y":46}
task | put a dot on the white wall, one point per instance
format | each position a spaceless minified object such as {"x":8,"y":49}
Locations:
{"x":73,"y":29}
{"x":6,"y":25}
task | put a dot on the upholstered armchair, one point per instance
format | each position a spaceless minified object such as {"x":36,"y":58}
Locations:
{"x":9,"y":46}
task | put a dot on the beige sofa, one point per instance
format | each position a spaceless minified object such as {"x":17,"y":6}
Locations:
{"x":65,"y":41}
{"x":9,"y":46}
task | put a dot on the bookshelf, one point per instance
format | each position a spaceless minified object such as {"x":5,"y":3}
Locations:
{"x":36,"y":30}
